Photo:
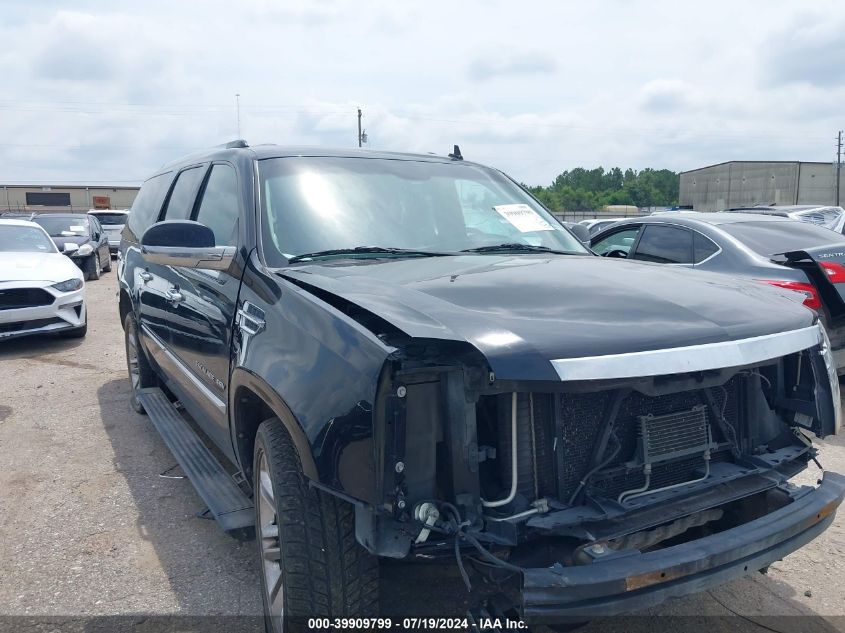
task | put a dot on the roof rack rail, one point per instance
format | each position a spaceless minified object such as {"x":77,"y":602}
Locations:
{"x":238,"y":143}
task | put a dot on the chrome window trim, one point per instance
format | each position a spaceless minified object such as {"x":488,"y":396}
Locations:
{"x":678,"y":360}
{"x":189,"y":374}
{"x":688,"y":228}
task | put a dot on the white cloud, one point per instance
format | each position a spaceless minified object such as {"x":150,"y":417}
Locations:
{"x":665,"y":95}
{"x":810,"y":51}
{"x":514,"y":65}
{"x":113,"y":89}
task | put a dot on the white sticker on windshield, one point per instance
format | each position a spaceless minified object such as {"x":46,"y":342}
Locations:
{"x":523,"y":217}
{"x":75,"y":227}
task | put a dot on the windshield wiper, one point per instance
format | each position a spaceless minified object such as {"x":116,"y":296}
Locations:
{"x":364,"y":250}
{"x":516,"y":247}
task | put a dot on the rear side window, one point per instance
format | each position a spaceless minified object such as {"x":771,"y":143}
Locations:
{"x":665,"y":245}
{"x":181,"y":200}
{"x":147,"y":204}
{"x":772,"y":238}
{"x":219,"y":209}
{"x":703,"y":247}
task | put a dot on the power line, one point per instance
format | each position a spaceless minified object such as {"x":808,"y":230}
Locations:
{"x":59,"y":182}
{"x":293,"y":111}
{"x":838,"y":164}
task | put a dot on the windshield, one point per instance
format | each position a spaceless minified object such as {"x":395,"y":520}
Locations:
{"x":24,"y":239}
{"x":111,"y":219}
{"x":318,"y":204}
{"x":62,"y":226}
{"x":771,"y":238}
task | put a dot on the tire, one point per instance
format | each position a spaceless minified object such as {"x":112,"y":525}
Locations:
{"x":306,"y":542}
{"x":107,"y":268}
{"x":141,"y":374}
{"x":92,"y":267}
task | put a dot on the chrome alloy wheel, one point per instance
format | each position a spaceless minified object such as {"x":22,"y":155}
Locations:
{"x":132,"y":357}
{"x":268,"y":533}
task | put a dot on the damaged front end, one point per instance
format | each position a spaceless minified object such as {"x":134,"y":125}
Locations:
{"x":612,"y":489}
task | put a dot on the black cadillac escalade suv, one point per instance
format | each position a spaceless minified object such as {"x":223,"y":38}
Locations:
{"x":406,"y":356}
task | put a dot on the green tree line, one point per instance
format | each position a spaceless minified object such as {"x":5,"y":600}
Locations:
{"x":591,"y":189}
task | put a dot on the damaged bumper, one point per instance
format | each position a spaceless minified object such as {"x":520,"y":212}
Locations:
{"x":633,"y":581}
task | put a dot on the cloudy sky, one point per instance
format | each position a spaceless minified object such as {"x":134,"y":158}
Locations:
{"x":107,"y":90}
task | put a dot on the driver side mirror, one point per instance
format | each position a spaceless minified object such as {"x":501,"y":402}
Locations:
{"x":184,"y":243}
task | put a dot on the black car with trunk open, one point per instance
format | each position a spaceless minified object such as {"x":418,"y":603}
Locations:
{"x":398,"y":356}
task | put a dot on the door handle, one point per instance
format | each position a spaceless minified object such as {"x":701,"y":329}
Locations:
{"x":144,"y":275}
{"x":174,"y":296}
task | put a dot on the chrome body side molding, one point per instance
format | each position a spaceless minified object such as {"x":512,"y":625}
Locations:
{"x":678,"y":360}
{"x":174,"y":362}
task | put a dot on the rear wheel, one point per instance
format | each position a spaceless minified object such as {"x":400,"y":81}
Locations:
{"x":141,"y":374}
{"x":311,"y":564}
{"x":107,"y":267}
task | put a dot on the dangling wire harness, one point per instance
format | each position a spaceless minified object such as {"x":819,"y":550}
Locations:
{"x":458,"y":528}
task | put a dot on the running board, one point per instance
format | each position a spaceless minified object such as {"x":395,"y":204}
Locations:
{"x":226,"y":502}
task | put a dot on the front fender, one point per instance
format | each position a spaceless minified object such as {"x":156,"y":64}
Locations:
{"x":319,"y":371}
{"x":242,"y":378}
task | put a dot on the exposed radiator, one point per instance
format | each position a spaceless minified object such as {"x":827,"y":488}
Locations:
{"x":676,"y":430}
{"x":674,"y":435}
{"x":666,"y":438}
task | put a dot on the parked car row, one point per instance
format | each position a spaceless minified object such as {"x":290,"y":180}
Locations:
{"x":41,"y":290}
{"x":407,"y":357}
{"x":45,"y":260}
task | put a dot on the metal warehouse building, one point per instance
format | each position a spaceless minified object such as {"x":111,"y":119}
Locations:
{"x":745,"y":183}
{"x":42,"y":198}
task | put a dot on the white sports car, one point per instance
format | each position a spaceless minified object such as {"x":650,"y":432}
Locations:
{"x":41,"y":290}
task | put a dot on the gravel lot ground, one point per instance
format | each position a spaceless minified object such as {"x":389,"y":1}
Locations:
{"x":87,"y":526}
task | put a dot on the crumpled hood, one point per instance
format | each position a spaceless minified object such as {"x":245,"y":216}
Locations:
{"x":52,"y":267}
{"x":521,"y":311}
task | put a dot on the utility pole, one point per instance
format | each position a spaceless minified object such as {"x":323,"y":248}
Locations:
{"x":238,"y":109}
{"x":838,"y":164}
{"x":359,"y":128}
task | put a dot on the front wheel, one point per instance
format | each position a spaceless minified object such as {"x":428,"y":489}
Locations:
{"x":311,"y":564}
{"x":107,"y":267}
{"x":92,"y":267}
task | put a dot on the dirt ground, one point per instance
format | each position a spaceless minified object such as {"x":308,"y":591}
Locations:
{"x":89,"y":528}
